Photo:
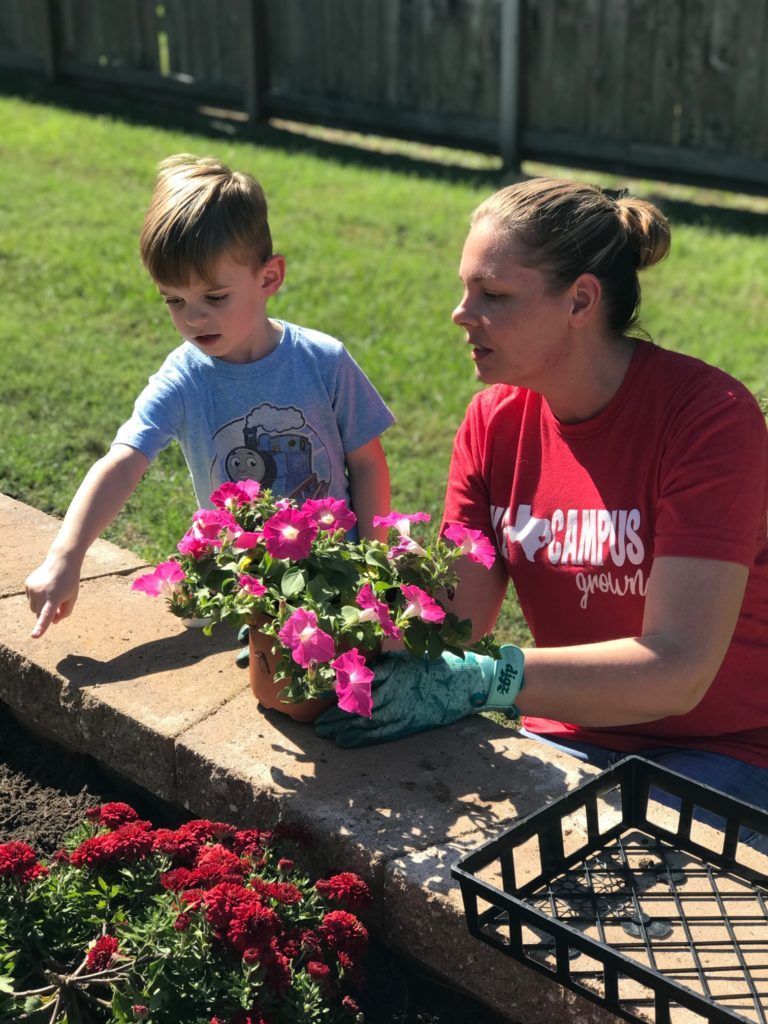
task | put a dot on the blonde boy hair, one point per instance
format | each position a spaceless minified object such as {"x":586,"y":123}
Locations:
{"x":200,"y":211}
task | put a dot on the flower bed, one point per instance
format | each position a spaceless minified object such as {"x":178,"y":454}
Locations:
{"x":202,"y":923}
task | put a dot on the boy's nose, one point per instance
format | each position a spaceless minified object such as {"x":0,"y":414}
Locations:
{"x":196,"y":316}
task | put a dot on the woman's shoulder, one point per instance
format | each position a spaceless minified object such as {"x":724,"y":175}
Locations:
{"x":498,"y":400}
{"x":691,"y":378}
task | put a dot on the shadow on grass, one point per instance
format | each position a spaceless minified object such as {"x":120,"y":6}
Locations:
{"x":187,"y":114}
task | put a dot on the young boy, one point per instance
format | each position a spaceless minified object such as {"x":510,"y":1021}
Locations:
{"x":246,"y":396}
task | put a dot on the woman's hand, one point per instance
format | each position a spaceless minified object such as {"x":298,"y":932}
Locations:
{"x":411,"y":695}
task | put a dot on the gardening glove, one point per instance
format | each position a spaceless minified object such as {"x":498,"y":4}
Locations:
{"x":411,"y":695}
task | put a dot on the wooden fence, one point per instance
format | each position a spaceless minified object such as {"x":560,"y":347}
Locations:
{"x":674,"y":87}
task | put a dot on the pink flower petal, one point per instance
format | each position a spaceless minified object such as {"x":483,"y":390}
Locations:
{"x":473,"y":543}
{"x":353,"y":683}
{"x":421,"y":605}
{"x":289,"y":533}
{"x":330,"y":513}
{"x":251,"y":585}
{"x":305,"y":640}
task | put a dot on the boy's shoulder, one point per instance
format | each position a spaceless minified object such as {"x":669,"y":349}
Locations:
{"x":315,"y":341}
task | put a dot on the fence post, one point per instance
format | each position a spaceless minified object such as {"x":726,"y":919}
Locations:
{"x":509,"y":84}
{"x":48,"y":38}
{"x":255,"y":58}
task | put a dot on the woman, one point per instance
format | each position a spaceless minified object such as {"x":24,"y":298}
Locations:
{"x":626,"y":489}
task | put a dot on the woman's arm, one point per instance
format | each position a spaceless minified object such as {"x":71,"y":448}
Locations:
{"x":691,"y":610}
{"x":369,"y":487}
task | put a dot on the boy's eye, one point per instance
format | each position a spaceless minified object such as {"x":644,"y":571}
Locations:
{"x":493,"y":295}
{"x":216,"y":298}
{"x":171,"y":302}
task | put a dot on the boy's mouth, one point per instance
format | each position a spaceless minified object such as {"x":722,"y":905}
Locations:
{"x":206,"y":339}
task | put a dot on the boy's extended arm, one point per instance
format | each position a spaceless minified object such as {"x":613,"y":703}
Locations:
{"x":369,"y":487}
{"x":52,"y":587}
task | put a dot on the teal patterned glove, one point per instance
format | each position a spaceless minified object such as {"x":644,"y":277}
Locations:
{"x":411,"y":695}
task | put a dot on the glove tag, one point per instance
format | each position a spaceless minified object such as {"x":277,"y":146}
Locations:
{"x":478,"y":699}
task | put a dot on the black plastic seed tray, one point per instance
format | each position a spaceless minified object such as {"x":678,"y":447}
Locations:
{"x":636,"y":890}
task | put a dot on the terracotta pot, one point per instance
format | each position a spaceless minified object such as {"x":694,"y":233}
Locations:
{"x":265,"y":688}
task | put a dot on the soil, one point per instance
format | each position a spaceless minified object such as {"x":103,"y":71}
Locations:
{"x":44,"y":793}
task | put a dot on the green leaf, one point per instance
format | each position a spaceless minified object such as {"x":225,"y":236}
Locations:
{"x":293,"y":582}
{"x":377,"y":557}
{"x":6,"y":984}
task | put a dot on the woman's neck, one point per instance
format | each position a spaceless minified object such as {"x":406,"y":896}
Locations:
{"x":594,"y":376}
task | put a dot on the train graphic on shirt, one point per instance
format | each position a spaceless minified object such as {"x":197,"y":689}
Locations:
{"x":278,"y":448}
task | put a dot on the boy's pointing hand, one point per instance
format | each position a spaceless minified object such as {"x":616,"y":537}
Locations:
{"x":51,"y":592}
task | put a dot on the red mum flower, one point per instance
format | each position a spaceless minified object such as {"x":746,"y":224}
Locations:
{"x":252,"y":955}
{"x":101,"y":953}
{"x":350,"y":1005}
{"x":285,"y":864}
{"x":252,"y":924}
{"x":281,"y":892}
{"x":181,"y":846}
{"x":182,"y":922}
{"x":221,"y":902}
{"x":18,"y":861}
{"x":140,"y":1012}
{"x":250,"y":841}
{"x":127,"y":844}
{"x":318,"y":970}
{"x":115,"y":814}
{"x":346,"y":888}
{"x":342,"y":932}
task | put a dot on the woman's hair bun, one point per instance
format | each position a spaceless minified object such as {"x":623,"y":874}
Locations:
{"x":647,"y":230}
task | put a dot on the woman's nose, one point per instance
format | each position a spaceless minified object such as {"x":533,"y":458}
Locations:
{"x":461,"y":314}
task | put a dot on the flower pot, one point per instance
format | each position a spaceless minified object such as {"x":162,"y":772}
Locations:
{"x":266,"y":689}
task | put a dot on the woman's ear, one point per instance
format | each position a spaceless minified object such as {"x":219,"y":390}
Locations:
{"x":272,"y":275}
{"x":586,"y":293}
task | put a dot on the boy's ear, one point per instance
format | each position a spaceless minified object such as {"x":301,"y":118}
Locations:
{"x":272,"y":275}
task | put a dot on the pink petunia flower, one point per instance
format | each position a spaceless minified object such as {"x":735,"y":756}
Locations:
{"x":251,"y":585}
{"x":305,"y":640}
{"x":247,"y":539}
{"x":401,"y":521}
{"x":232,"y":495}
{"x":165,"y":580}
{"x":473,"y":543}
{"x":353,"y":683}
{"x":406,"y":546}
{"x":330,"y":514}
{"x":290,"y":533}
{"x":421,"y":605}
{"x":374,"y":610}
{"x":210,"y":528}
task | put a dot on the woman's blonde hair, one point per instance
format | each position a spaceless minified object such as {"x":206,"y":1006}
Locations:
{"x":568,"y":228}
{"x":200,"y":211}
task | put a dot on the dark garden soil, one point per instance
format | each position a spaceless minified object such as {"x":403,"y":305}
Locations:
{"x":44,"y":793}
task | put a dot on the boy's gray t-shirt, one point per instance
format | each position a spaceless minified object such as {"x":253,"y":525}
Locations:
{"x":286,"y":420}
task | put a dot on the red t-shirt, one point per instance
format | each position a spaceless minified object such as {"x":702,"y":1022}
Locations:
{"x":675,"y":465}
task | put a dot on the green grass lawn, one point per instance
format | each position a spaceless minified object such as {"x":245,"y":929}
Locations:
{"x":372,"y":246}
